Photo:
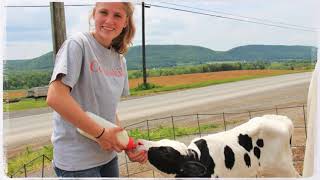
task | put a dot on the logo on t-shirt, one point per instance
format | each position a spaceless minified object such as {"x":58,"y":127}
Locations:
{"x":95,"y":67}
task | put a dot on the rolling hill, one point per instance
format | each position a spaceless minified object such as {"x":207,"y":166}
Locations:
{"x":174,"y":55}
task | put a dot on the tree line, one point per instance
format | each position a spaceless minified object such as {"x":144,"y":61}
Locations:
{"x":226,"y":66}
{"x":27,"y":79}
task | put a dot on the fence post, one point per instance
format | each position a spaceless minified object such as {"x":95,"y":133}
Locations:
{"x":249,"y":114}
{"x":127,"y":166}
{"x":305,"y":121}
{"x":224,"y":122}
{"x":148,"y":130}
{"x":276,"y":110}
{"x":174,"y":133}
{"x":25,"y":170}
{"x":42,"y":172}
{"x":199,"y":124}
{"x":58,"y":26}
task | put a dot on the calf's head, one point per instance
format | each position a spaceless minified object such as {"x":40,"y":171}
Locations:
{"x":173,"y":157}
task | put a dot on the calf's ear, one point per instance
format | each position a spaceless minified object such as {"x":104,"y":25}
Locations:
{"x":192,"y":169}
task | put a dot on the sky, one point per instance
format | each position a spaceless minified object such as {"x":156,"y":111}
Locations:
{"x":28,"y":29}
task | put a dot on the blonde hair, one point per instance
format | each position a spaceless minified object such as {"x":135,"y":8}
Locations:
{"x":122,"y":42}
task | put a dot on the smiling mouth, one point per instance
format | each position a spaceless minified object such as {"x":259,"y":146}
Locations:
{"x":108,"y":28}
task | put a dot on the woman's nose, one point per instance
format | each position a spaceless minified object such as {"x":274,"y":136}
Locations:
{"x":109,"y":19}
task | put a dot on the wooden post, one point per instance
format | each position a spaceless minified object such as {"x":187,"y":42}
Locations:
{"x":58,"y":26}
{"x":144,"y":71}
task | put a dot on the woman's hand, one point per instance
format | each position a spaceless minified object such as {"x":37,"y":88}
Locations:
{"x":109,"y":140}
{"x":137,"y":156}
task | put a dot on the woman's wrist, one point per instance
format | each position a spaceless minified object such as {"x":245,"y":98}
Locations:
{"x":102,"y":132}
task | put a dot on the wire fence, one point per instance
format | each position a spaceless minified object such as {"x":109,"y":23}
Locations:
{"x":23,"y":169}
{"x":201,"y":124}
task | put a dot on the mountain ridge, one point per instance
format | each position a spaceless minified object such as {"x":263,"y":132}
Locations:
{"x":174,"y":55}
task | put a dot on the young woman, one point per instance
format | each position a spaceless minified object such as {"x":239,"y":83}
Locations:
{"x":90,"y":74}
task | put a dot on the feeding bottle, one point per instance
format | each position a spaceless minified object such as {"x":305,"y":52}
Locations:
{"x":122,"y":136}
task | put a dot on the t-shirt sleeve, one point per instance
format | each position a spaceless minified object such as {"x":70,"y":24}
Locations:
{"x":68,"y":62}
{"x":126,"y":89}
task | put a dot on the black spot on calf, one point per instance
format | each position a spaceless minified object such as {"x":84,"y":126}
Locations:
{"x":257,"y":152}
{"x":245,"y":141}
{"x":169,"y":160}
{"x":260,"y":143}
{"x":205,"y":157}
{"x":247,"y":159}
{"x":164,"y":158}
{"x":229,"y":157}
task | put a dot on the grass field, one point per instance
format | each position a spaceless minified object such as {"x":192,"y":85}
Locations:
{"x":165,"y":83}
{"x":28,"y":103}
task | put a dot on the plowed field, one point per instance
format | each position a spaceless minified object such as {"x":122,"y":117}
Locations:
{"x":202,"y":77}
{"x":14,"y":94}
{"x":181,"y":79}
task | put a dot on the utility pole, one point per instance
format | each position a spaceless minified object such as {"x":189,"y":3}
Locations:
{"x":144,"y":71}
{"x":58,"y":26}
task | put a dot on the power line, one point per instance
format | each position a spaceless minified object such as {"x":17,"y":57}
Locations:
{"x":220,"y":12}
{"x":274,"y":24}
{"x":236,"y":19}
{"x":19,"y":6}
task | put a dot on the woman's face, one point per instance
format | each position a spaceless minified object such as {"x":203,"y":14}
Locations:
{"x":110,"y":19}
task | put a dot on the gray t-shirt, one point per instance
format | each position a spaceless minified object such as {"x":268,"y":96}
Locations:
{"x":98,"y":78}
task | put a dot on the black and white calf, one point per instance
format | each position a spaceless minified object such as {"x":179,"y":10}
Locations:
{"x":260,"y":147}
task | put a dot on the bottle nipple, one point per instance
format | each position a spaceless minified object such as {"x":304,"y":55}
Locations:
{"x":131,"y":144}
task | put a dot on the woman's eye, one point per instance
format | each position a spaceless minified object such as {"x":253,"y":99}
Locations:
{"x":104,"y":12}
{"x":118,"y":15}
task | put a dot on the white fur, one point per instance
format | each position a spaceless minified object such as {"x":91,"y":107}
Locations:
{"x":179,"y":146}
{"x":276,"y":155}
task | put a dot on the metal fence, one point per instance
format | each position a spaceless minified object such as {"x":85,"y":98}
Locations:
{"x":203,"y":124}
{"x":23,"y":168}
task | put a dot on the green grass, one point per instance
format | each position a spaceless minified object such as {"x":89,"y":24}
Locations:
{"x":17,"y":162}
{"x":167,"y":132}
{"x":24,"y":104}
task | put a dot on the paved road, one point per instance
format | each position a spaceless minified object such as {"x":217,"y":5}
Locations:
{"x":251,"y":94}
{"x":192,"y":99}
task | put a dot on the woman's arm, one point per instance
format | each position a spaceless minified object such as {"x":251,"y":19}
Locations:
{"x":61,"y":101}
